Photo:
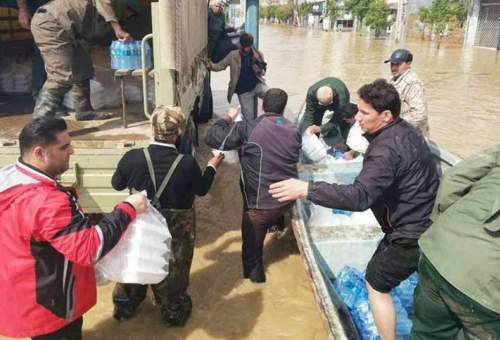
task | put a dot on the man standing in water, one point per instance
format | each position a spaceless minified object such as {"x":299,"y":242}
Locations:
{"x":268,"y":148}
{"x":410,"y":89}
{"x":247,"y":75}
{"x":398,"y":182}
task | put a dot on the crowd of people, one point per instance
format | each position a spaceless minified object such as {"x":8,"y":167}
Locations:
{"x":446,"y":229}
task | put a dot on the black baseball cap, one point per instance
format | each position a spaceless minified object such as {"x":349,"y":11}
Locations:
{"x":400,"y":56}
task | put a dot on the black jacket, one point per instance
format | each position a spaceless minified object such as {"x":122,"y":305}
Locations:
{"x":268,"y":147}
{"x":398,"y":181}
{"x":186,"y":182}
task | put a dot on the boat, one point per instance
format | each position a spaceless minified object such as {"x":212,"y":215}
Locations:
{"x":326,"y":248}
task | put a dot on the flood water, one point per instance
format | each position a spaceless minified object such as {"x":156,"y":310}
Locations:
{"x":463,"y":93}
{"x":462,"y":85}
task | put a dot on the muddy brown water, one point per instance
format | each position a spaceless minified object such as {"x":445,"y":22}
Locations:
{"x":462,"y":85}
{"x":463,"y":92}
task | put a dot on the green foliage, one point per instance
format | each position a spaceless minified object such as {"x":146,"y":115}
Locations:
{"x":272,"y":10}
{"x":280,"y":12}
{"x":358,"y":8}
{"x":284,"y":12}
{"x":263,"y":12}
{"x":441,"y":14}
{"x":377,"y":16}
{"x":333,"y":10}
{"x":305,"y":9}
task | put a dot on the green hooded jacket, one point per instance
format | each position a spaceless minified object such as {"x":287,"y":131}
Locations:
{"x":463,"y":243}
{"x":314,"y":112}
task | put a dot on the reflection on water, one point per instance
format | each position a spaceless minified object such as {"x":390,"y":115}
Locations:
{"x":462,"y":85}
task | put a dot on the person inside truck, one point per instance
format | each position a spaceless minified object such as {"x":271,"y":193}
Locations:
{"x":62,"y":31}
{"x":172,"y":180}
{"x":398,"y":182}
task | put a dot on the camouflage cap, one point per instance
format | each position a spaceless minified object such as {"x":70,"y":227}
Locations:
{"x":168,"y":123}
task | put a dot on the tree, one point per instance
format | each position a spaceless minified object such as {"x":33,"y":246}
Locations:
{"x":333,"y":10}
{"x":377,"y":16}
{"x":295,"y":6}
{"x":358,"y":8}
{"x":263,"y":12}
{"x":271,"y":11}
{"x":424,"y":15}
{"x":284,"y":12}
{"x":305,"y":9}
{"x":441,"y":14}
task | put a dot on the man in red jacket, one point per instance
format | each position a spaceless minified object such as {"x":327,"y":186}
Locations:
{"x":47,"y":247}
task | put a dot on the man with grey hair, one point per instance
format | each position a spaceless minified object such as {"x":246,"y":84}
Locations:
{"x":410,"y":89}
{"x":328,"y":94}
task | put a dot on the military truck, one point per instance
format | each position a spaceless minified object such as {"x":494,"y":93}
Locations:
{"x":179,"y":42}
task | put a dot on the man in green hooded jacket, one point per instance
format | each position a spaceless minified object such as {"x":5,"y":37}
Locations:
{"x":328,"y":94}
{"x":459,"y":268}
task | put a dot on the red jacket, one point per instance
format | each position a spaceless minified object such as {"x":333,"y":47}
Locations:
{"x":47,"y":251}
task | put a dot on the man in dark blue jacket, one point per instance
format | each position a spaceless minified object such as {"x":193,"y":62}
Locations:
{"x":268,"y":148}
{"x":398,"y":182}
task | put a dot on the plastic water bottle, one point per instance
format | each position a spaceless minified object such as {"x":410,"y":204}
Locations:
{"x":363,"y":319}
{"x":129,"y":50}
{"x":342,"y":212}
{"x":338,"y":154}
{"x":149,"y":55}
{"x":350,"y":285}
{"x":404,"y":292}
{"x":117,"y":55}
{"x":403,"y":323}
{"x":112,"y":54}
{"x":136,"y":55}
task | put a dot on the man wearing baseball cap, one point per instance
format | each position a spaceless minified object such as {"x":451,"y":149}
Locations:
{"x":410,"y":89}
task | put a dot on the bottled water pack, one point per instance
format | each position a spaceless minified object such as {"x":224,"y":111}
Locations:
{"x":126,"y":55}
{"x":350,"y":284}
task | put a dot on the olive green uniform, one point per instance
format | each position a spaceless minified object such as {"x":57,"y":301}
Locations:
{"x":459,"y":271}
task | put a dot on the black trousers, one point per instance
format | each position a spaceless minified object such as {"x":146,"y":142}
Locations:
{"x":254,"y":227}
{"x":72,"y":331}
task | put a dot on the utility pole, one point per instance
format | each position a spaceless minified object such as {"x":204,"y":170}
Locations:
{"x":400,"y":21}
{"x":252,"y":20}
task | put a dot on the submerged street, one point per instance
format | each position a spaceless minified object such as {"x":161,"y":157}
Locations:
{"x":462,"y":88}
{"x":459,"y":83}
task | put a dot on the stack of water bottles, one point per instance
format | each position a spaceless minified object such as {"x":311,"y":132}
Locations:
{"x":126,"y":55}
{"x":350,"y":284}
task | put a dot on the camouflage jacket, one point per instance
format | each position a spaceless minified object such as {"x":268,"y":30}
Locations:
{"x":82,"y":16}
{"x":413,"y":102}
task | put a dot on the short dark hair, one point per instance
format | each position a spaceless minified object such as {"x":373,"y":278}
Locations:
{"x":349,"y":110}
{"x":246,"y":40}
{"x":382,"y":96}
{"x":40,"y":131}
{"x":275,"y":100}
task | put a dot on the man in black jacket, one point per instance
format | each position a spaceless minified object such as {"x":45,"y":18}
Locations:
{"x":398,"y":182}
{"x":172,"y":182}
{"x":269,"y":151}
